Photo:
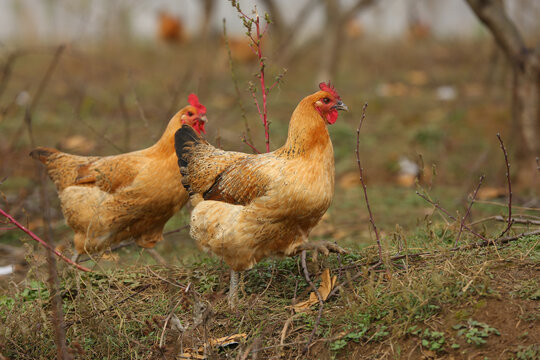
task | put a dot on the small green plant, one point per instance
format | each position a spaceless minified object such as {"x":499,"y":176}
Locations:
{"x":431,"y":340}
{"x":381,"y":334}
{"x":528,"y":352}
{"x":475,"y":332}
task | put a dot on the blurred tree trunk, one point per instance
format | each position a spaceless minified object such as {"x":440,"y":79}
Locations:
{"x":525,"y":64}
{"x":208,"y":11}
{"x":285,"y":33}
{"x":336,"y":21}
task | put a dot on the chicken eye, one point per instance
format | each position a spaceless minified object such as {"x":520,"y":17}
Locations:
{"x":190,"y":113}
{"x":326,"y":100}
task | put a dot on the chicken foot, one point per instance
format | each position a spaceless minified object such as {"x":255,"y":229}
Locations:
{"x":323,"y":247}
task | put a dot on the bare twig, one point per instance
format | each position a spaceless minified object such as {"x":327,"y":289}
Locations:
{"x":512,"y":238}
{"x":319,"y":297}
{"x":516,"y":220}
{"x":171,"y":313}
{"x":466,"y":227}
{"x":176,"y":230}
{"x":244,"y":140}
{"x":464,"y":218}
{"x":510,"y":220}
{"x":39,"y":240}
{"x":538,"y":163}
{"x":364,"y":187}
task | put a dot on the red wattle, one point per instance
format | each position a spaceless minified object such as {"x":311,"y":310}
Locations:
{"x":332,"y":116}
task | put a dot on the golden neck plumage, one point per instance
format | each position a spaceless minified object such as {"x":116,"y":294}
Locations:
{"x":164,"y":147}
{"x":308,"y":135}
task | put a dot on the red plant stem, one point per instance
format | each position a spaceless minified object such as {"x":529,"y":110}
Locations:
{"x":8,"y":228}
{"x":244,"y":140}
{"x":468,"y":210}
{"x":42,"y":242}
{"x":263,"y":87}
{"x":510,"y":220}
{"x":258,"y":51}
{"x":360,"y":170}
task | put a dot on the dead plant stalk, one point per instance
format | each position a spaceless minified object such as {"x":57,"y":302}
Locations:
{"x":510,"y":220}
{"x":364,"y":187}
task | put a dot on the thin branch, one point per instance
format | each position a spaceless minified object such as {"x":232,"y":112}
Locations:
{"x":466,"y":227}
{"x":538,"y":163}
{"x":361,"y":171}
{"x":464,"y":218}
{"x":171,"y":313}
{"x":319,"y":297}
{"x":176,"y":230}
{"x":518,"y":220}
{"x":244,"y":140}
{"x":510,"y":220}
{"x":39,"y":240}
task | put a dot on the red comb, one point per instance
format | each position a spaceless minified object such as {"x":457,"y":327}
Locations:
{"x":193,"y":100}
{"x":329,"y":88}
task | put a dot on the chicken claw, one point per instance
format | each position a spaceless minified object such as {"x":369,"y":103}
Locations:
{"x":323,"y":247}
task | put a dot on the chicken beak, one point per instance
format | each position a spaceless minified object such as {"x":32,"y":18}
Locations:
{"x":203,"y":119}
{"x":340,"y":105}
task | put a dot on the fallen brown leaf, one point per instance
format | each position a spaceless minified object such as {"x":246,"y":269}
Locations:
{"x":327,"y":285}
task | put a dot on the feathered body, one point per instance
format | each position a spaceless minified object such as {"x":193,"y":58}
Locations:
{"x":107,"y":200}
{"x":249,"y":207}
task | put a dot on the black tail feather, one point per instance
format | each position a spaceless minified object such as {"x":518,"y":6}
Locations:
{"x":184,"y":140}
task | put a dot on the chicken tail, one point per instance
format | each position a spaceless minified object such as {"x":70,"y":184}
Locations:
{"x":42,"y":154}
{"x":185,"y":141}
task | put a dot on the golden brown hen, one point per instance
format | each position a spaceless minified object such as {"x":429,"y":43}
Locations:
{"x":107,"y":200}
{"x":248,"y":207}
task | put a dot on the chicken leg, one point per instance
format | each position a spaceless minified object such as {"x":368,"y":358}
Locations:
{"x":233,"y":289}
{"x":323,"y":247}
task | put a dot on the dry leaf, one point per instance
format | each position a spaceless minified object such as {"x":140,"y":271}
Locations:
{"x":327,"y":284}
{"x":188,"y":355}
{"x":228,"y":340}
{"x":225,"y":341}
